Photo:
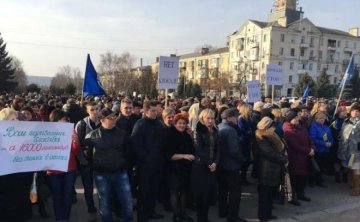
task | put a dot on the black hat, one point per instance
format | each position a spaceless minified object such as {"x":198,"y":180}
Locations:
{"x":290,"y":115}
{"x":106,"y":112}
{"x":229,"y":113}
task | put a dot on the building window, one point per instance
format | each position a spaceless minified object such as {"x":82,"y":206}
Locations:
{"x":311,"y":54}
{"x":310,"y":66}
{"x":347,"y":44}
{"x":335,"y":80}
{"x":321,"y":41}
{"x":336,"y":68}
{"x":302,"y":39}
{"x":265,"y":37}
{"x":292,"y":52}
{"x":311,"y":41}
{"x":280,"y":63}
{"x":290,"y":79}
{"x":291,"y":66}
{"x":235,"y":67}
{"x":262,"y":65}
{"x":354,"y":45}
{"x":289,"y":92}
{"x":282,"y":38}
{"x":302,"y":52}
{"x":281,"y":51}
{"x":232,"y":55}
{"x":320,"y":54}
{"x":339,"y":44}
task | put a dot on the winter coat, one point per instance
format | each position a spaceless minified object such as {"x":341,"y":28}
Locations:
{"x":349,"y":143}
{"x":126,"y":123}
{"x":202,"y":142}
{"x":147,"y":141}
{"x":271,"y":159}
{"x":230,"y":147}
{"x":178,"y":143}
{"x":299,"y":145}
{"x":320,"y":135}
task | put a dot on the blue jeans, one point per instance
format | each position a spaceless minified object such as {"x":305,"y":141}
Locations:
{"x":62,"y":186}
{"x":120,"y":183}
{"x":87,"y":178}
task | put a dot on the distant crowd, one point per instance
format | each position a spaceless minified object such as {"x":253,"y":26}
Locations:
{"x":184,"y":154}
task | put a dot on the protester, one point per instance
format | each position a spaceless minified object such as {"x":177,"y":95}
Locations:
{"x":62,"y":183}
{"x":230,"y":163}
{"x":300,"y":148}
{"x":272,"y":161}
{"x":349,"y":153}
{"x":147,"y":142}
{"x":180,"y":153}
{"x":82,"y":128}
{"x":323,"y":140}
{"x":205,"y":163}
{"x":110,"y":153}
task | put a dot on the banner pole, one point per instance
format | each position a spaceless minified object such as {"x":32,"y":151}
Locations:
{"x":166,"y":98}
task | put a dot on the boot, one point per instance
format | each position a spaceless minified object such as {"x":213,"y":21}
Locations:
{"x":356,"y":189}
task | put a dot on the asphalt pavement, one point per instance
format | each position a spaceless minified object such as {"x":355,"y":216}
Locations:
{"x":327,"y":204}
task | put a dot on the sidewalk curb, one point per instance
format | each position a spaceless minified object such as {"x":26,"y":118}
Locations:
{"x":321,"y":213}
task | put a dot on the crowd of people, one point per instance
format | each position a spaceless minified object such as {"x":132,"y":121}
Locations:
{"x":184,"y":154}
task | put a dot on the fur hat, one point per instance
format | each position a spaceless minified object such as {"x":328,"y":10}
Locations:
{"x":265,"y":123}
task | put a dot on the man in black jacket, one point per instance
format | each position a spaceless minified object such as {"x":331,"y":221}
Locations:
{"x":110,"y":148}
{"x":126,"y":119}
{"x":147,"y":142}
{"x":231,"y":159}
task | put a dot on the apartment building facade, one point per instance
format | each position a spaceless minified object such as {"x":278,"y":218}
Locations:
{"x":293,"y":42}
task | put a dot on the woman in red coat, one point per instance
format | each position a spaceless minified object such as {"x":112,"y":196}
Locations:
{"x":300,"y":148}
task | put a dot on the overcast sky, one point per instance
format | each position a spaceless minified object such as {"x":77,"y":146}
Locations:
{"x":46,"y":35}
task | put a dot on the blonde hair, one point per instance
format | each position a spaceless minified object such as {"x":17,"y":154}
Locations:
{"x":316,"y":107}
{"x":277,"y":114}
{"x":166,"y":112}
{"x":6,"y":113}
{"x":244,"y":111}
{"x":206,"y":113}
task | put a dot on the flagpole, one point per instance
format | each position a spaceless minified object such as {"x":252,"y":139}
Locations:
{"x":349,"y":71}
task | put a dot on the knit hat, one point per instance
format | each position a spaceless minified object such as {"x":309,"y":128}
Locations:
{"x":265,"y":123}
{"x":290,"y":115}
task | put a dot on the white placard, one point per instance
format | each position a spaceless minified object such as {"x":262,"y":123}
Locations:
{"x":27,"y":146}
{"x":274,"y":75}
{"x":253,"y":91}
{"x":168,"y":72}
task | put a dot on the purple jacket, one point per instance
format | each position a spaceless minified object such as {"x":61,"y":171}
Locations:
{"x":299,"y":146}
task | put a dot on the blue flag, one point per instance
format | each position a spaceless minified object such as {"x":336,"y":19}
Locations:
{"x":92,"y":85}
{"x":349,"y":73}
{"x":306,"y":94}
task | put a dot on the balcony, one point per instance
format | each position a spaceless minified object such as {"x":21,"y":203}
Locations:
{"x":302,"y":71}
{"x":331,"y":47}
{"x":254,"y":57}
{"x":304,"y":58}
{"x":254,"y":45}
{"x":347,"y":49}
{"x":238,"y":59}
{"x":312,"y":58}
{"x":304,"y":45}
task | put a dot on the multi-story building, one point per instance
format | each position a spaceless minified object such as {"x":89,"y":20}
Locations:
{"x":293,"y":42}
{"x":205,"y":67}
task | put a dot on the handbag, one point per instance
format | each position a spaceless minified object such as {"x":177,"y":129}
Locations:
{"x":314,"y":165}
{"x":33,"y":190}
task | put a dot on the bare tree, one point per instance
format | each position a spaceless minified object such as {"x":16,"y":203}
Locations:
{"x":68,"y":75}
{"x":20,"y":76}
{"x":117,"y":69}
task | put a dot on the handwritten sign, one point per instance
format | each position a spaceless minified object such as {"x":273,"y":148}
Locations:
{"x":168,"y":72}
{"x":274,"y":74}
{"x":253,"y":91}
{"x":34,"y":146}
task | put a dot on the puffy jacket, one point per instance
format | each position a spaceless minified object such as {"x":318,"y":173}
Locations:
{"x":299,"y":145}
{"x":202,"y":142}
{"x":110,"y":149}
{"x":271,"y":161}
{"x":320,"y":134}
{"x":230,"y":147}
